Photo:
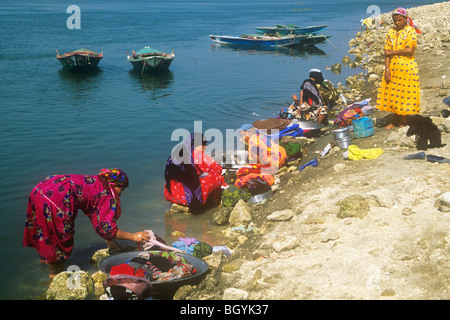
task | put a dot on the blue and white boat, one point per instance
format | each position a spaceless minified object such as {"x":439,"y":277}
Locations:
{"x":290,"y":29}
{"x":259,"y":40}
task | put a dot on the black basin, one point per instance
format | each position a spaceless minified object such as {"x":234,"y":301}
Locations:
{"x":160,"y":289}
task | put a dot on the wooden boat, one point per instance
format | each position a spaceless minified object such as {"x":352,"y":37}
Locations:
{"x":81,"y":59}
{"x":290,"y":29}
{"x":259,"y":40}
{"x":150,"y":60}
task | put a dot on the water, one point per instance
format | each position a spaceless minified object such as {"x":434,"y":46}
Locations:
{"x":54,"y":121}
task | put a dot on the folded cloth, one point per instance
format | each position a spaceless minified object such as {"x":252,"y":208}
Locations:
{"x":154,"y":242}
{"x":355,"y":153}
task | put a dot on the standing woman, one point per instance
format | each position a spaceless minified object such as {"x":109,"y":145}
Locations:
{"x":53,"y":205}
{"x":399,"y":91}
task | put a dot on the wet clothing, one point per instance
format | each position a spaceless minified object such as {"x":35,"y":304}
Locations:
{"x":402,"y":94}
{"x":53,"y":206}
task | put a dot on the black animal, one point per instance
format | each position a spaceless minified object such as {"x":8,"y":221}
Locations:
{"x":425,"y":130}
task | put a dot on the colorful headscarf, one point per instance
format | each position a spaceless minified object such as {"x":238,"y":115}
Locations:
{"x":115,"y":177}
{"x":400,"y":11}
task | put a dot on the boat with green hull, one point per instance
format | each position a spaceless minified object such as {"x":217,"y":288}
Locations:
{"x":150,"y":60}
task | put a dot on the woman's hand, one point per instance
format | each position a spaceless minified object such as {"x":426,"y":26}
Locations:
{"x":387,"y":75}
{"x":140,"y":236}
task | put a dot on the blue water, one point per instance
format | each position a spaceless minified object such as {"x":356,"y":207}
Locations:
{"x":53,"y":121}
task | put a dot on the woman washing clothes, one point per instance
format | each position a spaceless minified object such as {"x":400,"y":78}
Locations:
{"x":399,"y":90}
{"x":311,"y":106}
{"x":53,"y":205}
{"x":192,"y":178}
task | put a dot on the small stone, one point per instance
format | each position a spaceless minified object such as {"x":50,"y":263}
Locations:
{"x":235,"y":294}
{"x":388,"y":293}
{"x":329,"y":235}
{"x":282,"y":215}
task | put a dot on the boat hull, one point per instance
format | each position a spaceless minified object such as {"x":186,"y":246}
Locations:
{"x":153,"y":64}
{"x":291,"y":30}
{"x":80,"y":60}
{"x":258,"y":40}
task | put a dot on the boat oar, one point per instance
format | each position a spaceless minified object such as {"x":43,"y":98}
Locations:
{"x":330,"y":42}
{"x":57,"y":51}
{"x":143,"y":66}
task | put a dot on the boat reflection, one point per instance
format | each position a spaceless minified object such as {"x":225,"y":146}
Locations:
{"x":299,"y":50}
{"x":153,"y":82}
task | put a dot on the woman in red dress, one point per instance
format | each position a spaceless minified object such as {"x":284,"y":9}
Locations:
{"x":53,"y":205}
{"x":193,"y":179}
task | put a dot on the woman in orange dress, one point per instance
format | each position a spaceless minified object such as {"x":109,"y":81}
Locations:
{"x":399,"y":91}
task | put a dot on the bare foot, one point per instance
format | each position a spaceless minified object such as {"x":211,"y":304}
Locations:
{"x":389,"y":126}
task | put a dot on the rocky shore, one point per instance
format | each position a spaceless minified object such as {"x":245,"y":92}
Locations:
{"x":345,"y":229}
{"x":353,"y":229}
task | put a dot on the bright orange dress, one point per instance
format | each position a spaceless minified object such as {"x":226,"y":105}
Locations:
{"x":402,"y":94}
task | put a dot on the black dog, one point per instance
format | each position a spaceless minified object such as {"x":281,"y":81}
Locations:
{"x":425,"y":130}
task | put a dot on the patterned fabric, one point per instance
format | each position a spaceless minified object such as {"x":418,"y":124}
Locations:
{"x":115,"y":177}
{"x":210,"y":184}
{"x":52,"y":208}
{"x":400,"y":11}
{"x":402,"y":94}
{"x":246,"y":174}
{"x":272,"y":158}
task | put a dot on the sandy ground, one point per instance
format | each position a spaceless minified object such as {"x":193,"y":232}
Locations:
{"x":397,"y":245}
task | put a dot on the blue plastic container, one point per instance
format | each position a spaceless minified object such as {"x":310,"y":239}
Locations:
{"x":363,"y":127}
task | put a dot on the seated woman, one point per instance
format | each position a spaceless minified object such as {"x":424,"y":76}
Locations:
{"x":310,"y":106}
{"x":193,"y":179}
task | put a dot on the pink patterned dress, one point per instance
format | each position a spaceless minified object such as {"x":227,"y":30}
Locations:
{"x":52,"y":208}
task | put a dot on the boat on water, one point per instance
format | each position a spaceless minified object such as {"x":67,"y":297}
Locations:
{"x":259,"y":40}
{"x":290,"y":29}
{"x":150,"y":60}
{"x":81,"y":59}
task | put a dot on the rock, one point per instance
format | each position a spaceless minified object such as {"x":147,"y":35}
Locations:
{"x":240,"y":214}
{"x":232,"y":266}
{"x":284,"y":243}
{"x":221,"y":216}
{"x":383,"y":197}
{"x":444,"y":202}
{"x":99,"y":278}
{"x":353,"y":206}
{"x":283,"y":215}
{"x":177,"y":208}
{"x":99,"y":255}
{"x":373,"y":78}
{"x":388,"y":292}
{"x":214,"y":260}
{"x":329,"y":235}
{"x":235,"y":294}
{"x":337,"y":67}
{"x":69,"y":285}
{"x":346,"y":60}
{"x":446,"y":125}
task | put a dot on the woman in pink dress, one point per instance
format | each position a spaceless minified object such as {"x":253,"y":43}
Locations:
{"x":53,"y":205}
{"x":193,"y":179}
